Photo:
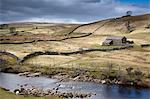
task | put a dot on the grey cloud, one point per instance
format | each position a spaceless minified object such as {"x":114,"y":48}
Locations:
{"x":67,"y":10}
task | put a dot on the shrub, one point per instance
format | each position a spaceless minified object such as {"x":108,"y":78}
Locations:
{"x":129,"y":70}
{"x":12,"y":29}
{"x":138,"y":73}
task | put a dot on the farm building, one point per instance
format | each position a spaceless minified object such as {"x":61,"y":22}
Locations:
{"x":115,"y":41}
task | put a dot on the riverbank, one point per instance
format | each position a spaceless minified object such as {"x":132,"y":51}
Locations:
{"x":5,"y":94}
{"x":34,"y":86}
{"x":130,"y":78}
{"x":40,"y":86}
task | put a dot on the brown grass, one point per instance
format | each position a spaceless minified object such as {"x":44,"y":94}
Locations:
{"x":136,"y":57}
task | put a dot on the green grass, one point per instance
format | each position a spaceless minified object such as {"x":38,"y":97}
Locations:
{"x":8,"y":95}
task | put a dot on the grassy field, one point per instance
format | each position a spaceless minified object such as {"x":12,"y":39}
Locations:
{"x":98,"y":60}
{"x":136,"y":57}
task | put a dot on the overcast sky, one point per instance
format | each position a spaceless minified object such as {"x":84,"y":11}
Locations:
{"x":68,"y":11}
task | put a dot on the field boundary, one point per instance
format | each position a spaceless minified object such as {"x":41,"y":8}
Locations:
{"x":32,"y":41}
{"x":34,"y":54}
{"x":9,"y":54}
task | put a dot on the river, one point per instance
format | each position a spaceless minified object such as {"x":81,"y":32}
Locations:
{"x":13,"y":81}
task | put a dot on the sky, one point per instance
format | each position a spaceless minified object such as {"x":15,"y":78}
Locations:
{"x":68,"y":11}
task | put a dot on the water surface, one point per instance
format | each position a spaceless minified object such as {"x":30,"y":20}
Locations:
{"x":13,"y":81}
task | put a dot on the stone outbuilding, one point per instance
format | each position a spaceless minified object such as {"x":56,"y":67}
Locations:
{"x":115,"y":41}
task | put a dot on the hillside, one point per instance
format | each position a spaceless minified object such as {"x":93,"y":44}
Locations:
{"x":33,"y":37}
{"x":116,"y":25}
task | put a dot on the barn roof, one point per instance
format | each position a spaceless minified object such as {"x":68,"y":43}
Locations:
{"x":107,"y":41}
{"x":115,"y":37}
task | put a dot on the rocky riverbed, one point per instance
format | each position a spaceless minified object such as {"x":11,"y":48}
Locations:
{"x":85,"y":78}
{"x":68,"y":87}
{"x":41,"y":92}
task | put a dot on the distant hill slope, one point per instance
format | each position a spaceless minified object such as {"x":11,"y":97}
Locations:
{"x":116,"y":25}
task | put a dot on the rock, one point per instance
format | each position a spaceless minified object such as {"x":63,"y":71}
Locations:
{"x":103,"y":82}
{"x":16,"y":91}
{"x":24,"y":74}
{"x":119,"y":82}
{"x":22,"y":89}
{"x":132,"y":83}
{"x":91,"y":94}
{"x":116,"y":82}
{"x":76,"y":78}
{"x":62,"y":86}
{"x":83,"y":95}
{"x":80,"y":95}
{"x":90,"y":79}
{"x":41,"y":92}
{"x":97,"y":80}
{"x":65,"y":95}
{"x":34,"y":75}
{"x":70,"y":95}
{"x":56,"y":88}
{"x":25,"y":84}
{"x":113,"y":81}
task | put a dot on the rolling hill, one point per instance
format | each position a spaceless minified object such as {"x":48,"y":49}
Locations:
{"x":73,"y":34}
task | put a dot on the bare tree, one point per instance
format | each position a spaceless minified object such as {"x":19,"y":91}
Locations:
{"x":107,"y":72}
{"x":138,"y":73}
{"x":128,"y":13}
{"x":119,"y":74}
{"x":128,"y":23}
{"x":110,"y":66}
{"x":12,"y":29}
{"x":128,"y":26}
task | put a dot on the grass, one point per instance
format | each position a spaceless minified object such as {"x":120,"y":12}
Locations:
{"x":104,"y":47}
{"x":139,"y":48}
{"x":4,"y":31}
{"x":109,"y":72}
{"x":8,"y":59}
{"x":8,"y":95}
{"x":64,"y":31}
{"x":136,"y":57}
{"x":140,"y":35}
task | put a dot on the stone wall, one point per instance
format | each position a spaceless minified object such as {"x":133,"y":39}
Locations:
{"x":34,"y":54}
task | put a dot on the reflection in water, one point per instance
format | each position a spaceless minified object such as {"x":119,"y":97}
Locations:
{"x":12,"y":81}
{"x":115,"y":91}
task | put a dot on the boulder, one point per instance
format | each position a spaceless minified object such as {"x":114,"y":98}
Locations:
{"x":24,"y":74}
{"x":34,"y":75}
{"x":17,"y":91}
{"x":103,"y":81}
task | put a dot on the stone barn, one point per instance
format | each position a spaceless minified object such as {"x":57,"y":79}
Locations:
{"x":115,"y":41}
